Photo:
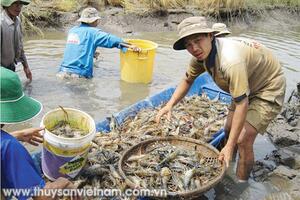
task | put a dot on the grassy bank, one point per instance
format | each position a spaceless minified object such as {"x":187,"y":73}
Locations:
{"x":46,"y":13}
{"x":153,"y":5}
{"x":203,"y":5}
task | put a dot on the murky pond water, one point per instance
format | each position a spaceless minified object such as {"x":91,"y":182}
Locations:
{"x":106,"y":93}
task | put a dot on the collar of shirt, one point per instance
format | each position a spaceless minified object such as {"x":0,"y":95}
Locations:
{"x":211,"y":59}
{"x":84,"y":25}
{"x":87,"y":25}
{"x":7,"y":19}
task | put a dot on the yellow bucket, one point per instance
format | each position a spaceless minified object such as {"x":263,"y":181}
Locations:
{"x":137,"y":67}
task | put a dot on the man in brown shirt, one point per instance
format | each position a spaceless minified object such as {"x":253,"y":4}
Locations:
{"x":12,"y":50}
{"x":244,"y":68}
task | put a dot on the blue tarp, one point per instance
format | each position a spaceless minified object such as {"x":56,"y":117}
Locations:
{"x":204,"y":83}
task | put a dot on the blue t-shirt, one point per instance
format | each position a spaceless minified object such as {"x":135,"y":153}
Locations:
{"x":81,"y":45}
{"x":17,"y":167}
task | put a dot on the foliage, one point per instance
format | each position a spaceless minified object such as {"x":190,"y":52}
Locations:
{"x":66,"y":5}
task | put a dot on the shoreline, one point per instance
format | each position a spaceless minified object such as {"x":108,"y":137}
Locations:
{"x":117,"y":20}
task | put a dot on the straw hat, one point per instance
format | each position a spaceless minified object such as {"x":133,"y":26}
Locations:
{"x":15,"y":106}
{"x":89,"y":15}
{"x":220,"y":29}
{"x":190,"y":26}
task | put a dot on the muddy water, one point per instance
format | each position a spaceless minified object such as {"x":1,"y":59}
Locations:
{"x":106,"y":93}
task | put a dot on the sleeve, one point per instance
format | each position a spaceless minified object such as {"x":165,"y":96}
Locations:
{"x":22,"y":53}
{"x":194,"y":70}
{"x":238,"y":81}
{"x":107,"y":40}
{"x":20,"y":169}
{"x":1,"y":36}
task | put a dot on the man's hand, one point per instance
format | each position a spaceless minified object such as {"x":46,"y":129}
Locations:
{"x":30,"y":135}
{"x":135,"y":48}
{"x":167,"y":109}
{"x":131,"y":46}
{"x":226,"y":154}
{"x":28,"y":73}
{"x":97,"y":54}
{"x":61,"y":183}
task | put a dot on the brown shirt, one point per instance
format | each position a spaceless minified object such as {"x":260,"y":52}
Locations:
{"x":244,"y":67}
{"x":11,"y":40}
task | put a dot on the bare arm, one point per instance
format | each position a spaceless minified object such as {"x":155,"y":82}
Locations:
{"x":131,"y":46}
{"x":30,"y":135}
{"x":27,"y":70}
{"x":179,"y":93}
{"x":238,"y":122}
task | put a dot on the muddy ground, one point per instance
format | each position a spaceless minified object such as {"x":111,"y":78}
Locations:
{"x":116,"y":20}
{"x":113,"y":19}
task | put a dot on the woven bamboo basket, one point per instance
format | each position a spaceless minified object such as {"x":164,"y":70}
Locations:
{"x":186,"y":143}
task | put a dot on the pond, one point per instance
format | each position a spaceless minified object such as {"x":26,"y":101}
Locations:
{"x":106,"y":94}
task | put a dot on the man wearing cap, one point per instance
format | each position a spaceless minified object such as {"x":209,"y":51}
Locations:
{"x":12,"y":50}
{"x":17,"y":167}
{"x":244,"y":68}
{"x":81,"y":45}
{"x":220,"y":29}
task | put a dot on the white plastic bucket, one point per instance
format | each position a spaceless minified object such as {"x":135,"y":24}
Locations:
{"x":65,"y":157}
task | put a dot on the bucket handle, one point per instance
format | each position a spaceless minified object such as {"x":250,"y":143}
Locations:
{"x":143,"y":55}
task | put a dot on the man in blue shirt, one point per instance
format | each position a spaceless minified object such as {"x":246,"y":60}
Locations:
{"x":17,"y":167}
{"x":82,"y":42}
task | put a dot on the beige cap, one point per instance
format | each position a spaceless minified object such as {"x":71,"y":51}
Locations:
{"x":89,"y":15}
{"x":220,"y":29}
{"x":190,"y":26}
